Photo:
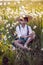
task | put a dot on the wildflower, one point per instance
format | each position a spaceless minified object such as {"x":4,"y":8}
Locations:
{"x":35,"y":27}
{"x":0,"y":18}
{"x":5,"y":21}
{"x":12,"y":25}
{"x":41,"y":13}
{"x":17,"y":0}
{"x":42,"y":49}
{"x":9,"y":36}
{"x":10,"y":16}
{"x":5,"y":38}
{"x":15,"y":23}
{"x":8,"y":9}
{"x":7,"y":32}
{"x":12,"y":12}
{"x":8,"y":25}
{"x":34,"y":15}
{"x":13,"y":48}
{"x":42,"y":30}
{"x":2,"y":50}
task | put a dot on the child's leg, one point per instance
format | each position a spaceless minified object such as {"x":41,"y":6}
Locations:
{"x":29,"y":40}
{"x":18,"y":43}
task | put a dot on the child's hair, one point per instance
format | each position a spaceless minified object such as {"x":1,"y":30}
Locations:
{"x":26,"y":19}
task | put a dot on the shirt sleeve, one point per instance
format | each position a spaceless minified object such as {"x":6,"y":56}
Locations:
{"x":30,"y":30}
{"x":18,"y":32}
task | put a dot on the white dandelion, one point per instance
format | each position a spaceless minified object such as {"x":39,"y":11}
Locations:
{"x":8,"y":25}
{"x":35,"y":27}
{"x":5,"y":21}
{"x":9,"y":36}
{"x":5,"y":38}
{"x":42,"y":30}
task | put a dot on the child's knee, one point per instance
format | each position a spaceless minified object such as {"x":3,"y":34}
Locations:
{"x":16,"y":41}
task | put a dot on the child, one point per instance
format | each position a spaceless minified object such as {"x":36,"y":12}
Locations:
{"x":24,"y":33}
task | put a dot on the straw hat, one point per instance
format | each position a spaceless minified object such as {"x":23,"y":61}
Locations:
{"x":24,"y":17}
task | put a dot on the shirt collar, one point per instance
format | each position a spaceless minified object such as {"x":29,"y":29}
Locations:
{"x":21,"y":25}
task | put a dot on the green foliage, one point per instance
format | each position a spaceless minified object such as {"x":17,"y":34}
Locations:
{"x":9,"y":57}
{"x":7,"y":35}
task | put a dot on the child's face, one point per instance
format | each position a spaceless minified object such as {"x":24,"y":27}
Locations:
{"x":22,"y":22}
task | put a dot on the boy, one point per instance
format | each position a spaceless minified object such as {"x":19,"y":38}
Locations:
{"x":24,"y":33}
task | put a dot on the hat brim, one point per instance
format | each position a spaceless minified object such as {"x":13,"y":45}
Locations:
{"x":26,"y":18}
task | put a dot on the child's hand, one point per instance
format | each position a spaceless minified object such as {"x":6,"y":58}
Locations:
{"x":23,"y":36}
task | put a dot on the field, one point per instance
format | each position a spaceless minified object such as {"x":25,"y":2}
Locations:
{"x":9,"y":14}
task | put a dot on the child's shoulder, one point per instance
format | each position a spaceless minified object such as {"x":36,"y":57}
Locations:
{"x":17,"y":26}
